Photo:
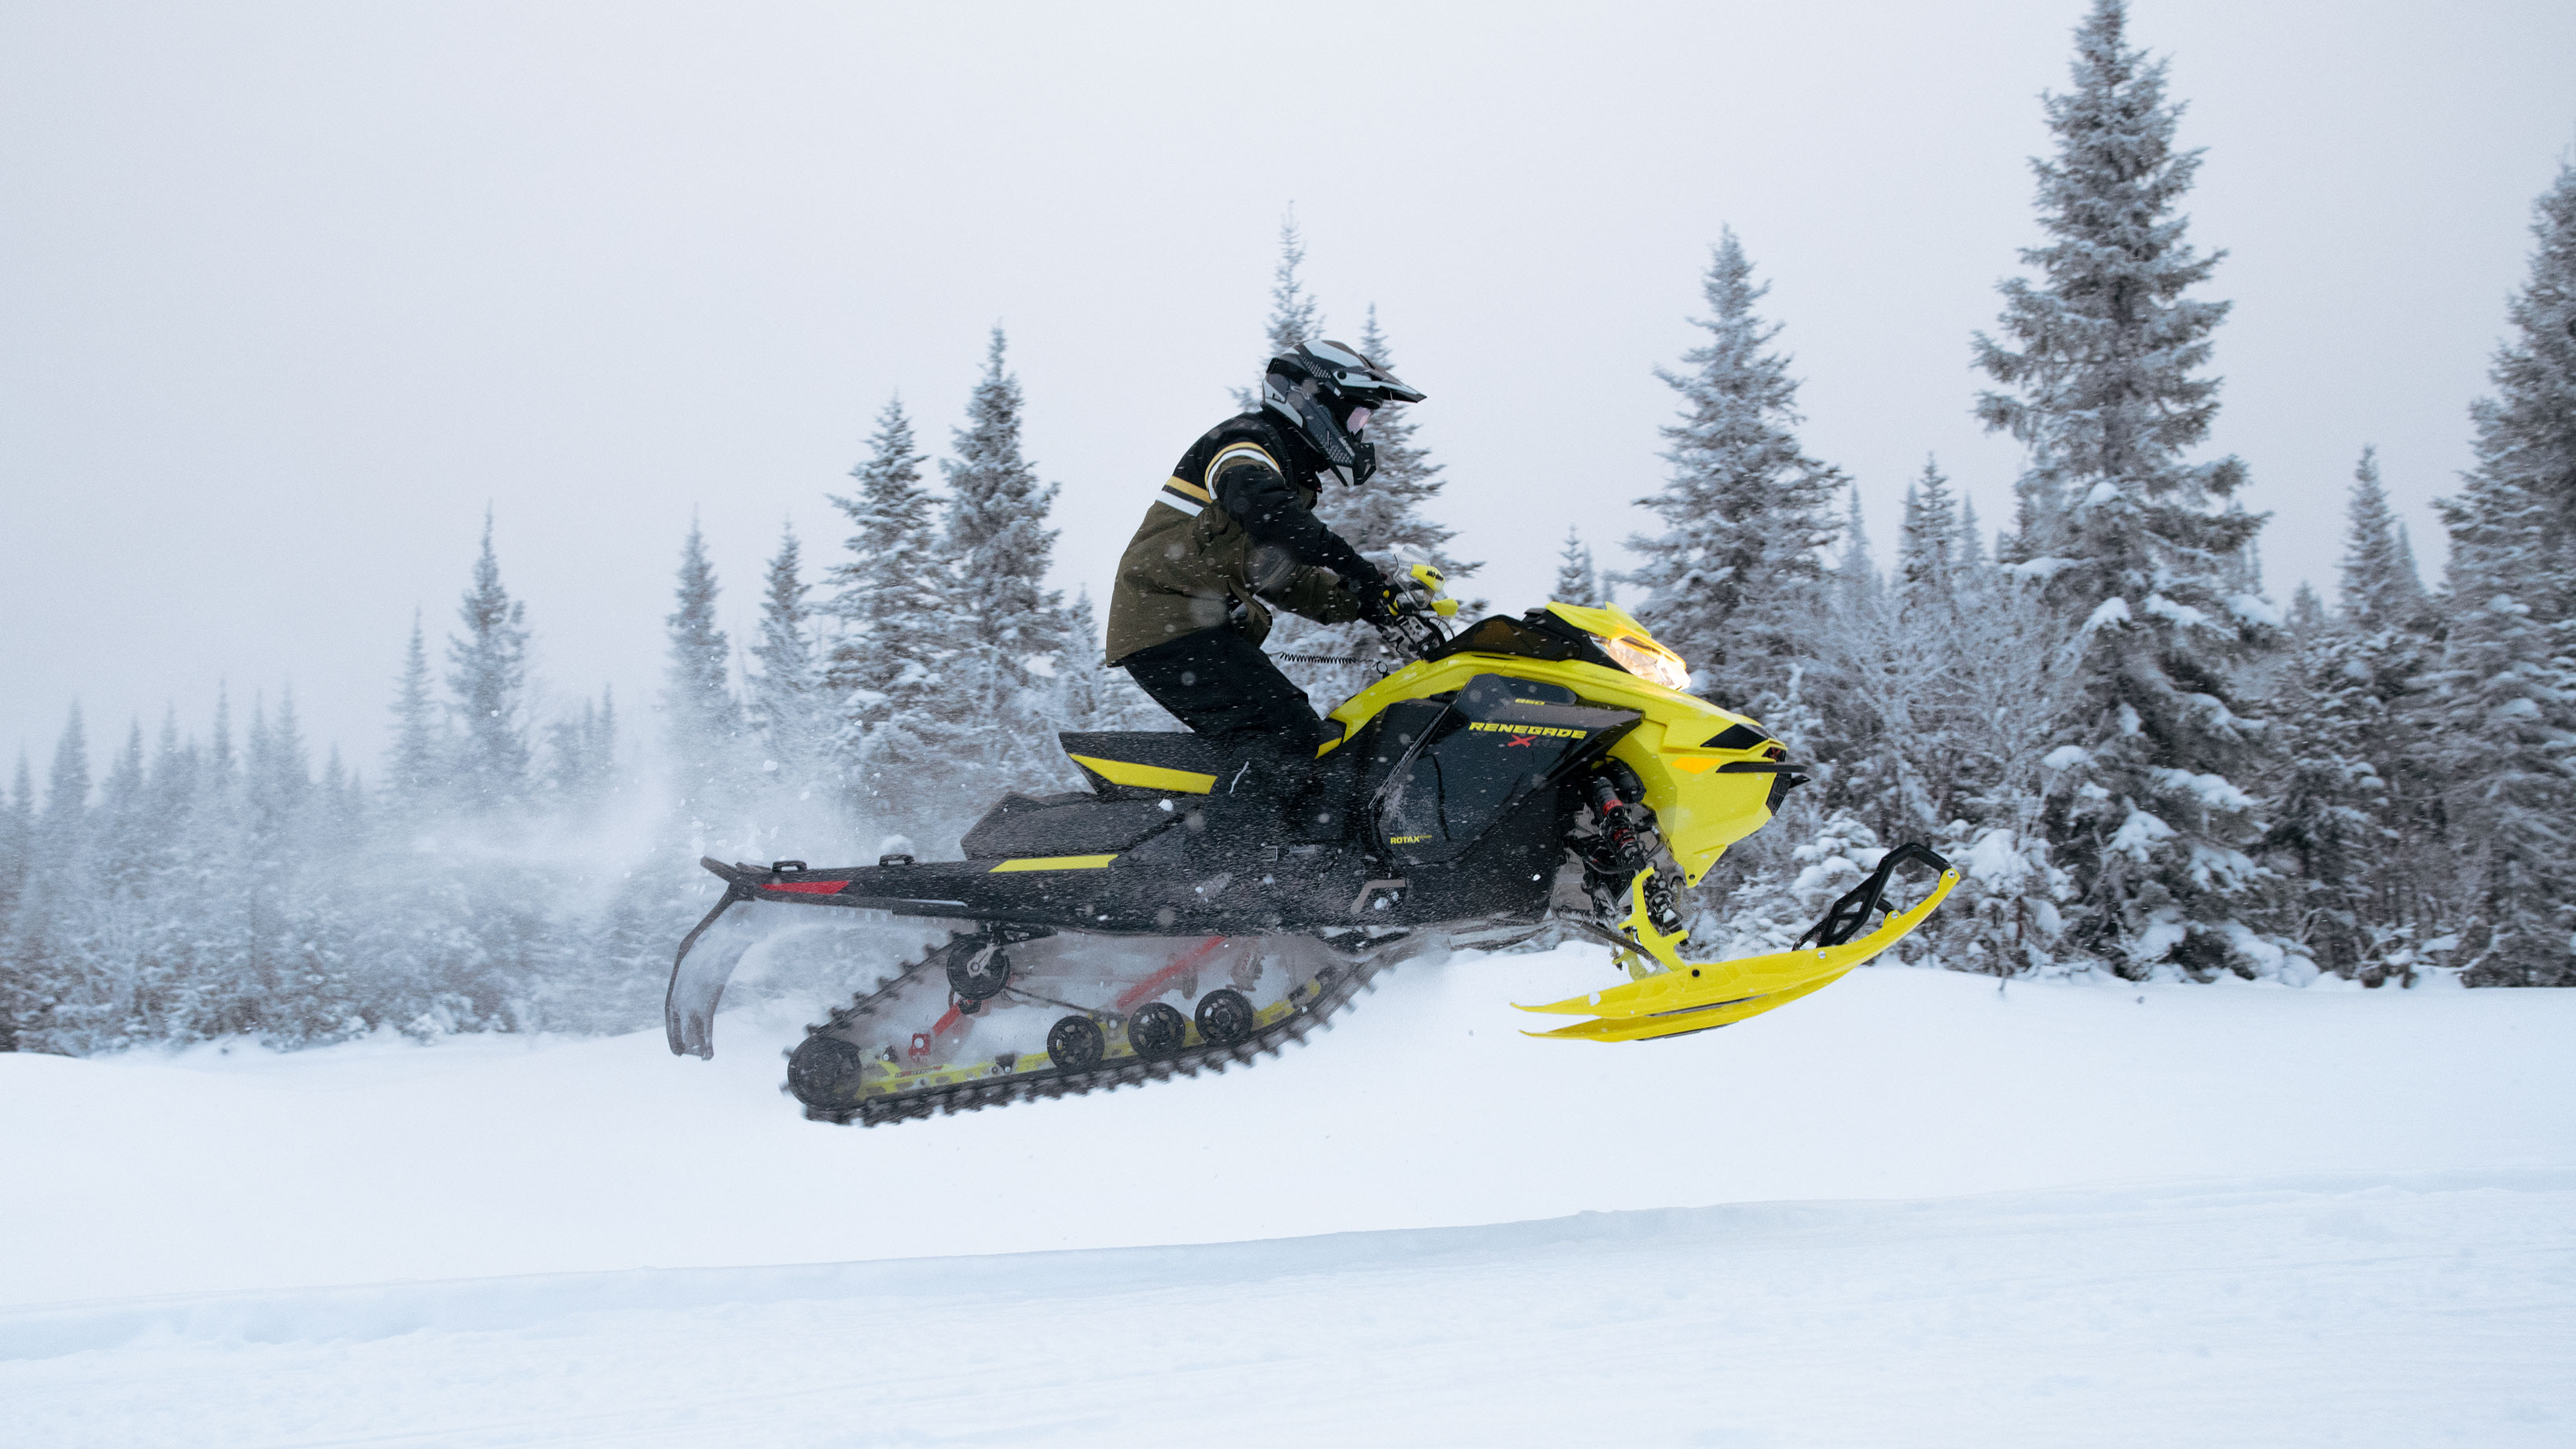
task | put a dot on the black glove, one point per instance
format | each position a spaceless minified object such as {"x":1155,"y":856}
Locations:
{"x":1380,"y":600}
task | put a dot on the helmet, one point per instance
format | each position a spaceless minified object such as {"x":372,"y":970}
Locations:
{"x":1318,"y":387}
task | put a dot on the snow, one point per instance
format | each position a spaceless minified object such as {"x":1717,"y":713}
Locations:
{"x":2039,"y":570}
{"x":2113,"y":610}
{"x":2256,"y":609}
{"x":1917,"y":1208}
{"x":2180,"y":613}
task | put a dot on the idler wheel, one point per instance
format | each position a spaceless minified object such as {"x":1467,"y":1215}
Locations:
{"x":1075,"y":1044}
{"x":1157,"y":1030}
{"x":1225,"y":1017}
{"x":824,"y":1072}
{"x":977,"y":972}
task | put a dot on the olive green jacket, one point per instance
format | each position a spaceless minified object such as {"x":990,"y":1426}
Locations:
{"x":1196,"y":563}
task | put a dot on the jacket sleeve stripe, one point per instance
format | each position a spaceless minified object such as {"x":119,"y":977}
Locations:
{"x":1171,"y":497}
{"x":1242,"y":453}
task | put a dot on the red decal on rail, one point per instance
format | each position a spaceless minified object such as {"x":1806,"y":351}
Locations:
{"x":807,"y":887}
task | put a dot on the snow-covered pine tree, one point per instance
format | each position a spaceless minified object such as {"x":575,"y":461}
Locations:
{"x":2507,"y":676}
{"x":2101,"y":359}
{"x":280,"y":777}
{"x":697,"y":690}
{"x":1927,"y":541}
{"x":1083,"y":700}
{"x":1295,"y":317}
{"x":412,"y":773}
{"x":2380,"y":585}
{"x":1384,"y":520}
{"x":894,"y":593}
{"x":17,"y":847}
{"x":1855,"y":572}
{"x":64,"y":827}
{"x":2354,"y":831}
{"x":1011,"y":624}
{"x":46,"y":947}
{"x":1578,"y":578}
{"x":582,"y":750}
{"x":1972,"y":537}
{"x":1735,"y":575}
{"x":17,"y":839}
{"x":488,"y":675}
{"x":788,"y":704}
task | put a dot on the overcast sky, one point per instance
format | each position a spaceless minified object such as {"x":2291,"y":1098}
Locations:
{"x":289,"y":294}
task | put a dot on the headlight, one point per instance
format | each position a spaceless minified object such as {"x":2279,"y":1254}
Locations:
{"x":1647,"y":659}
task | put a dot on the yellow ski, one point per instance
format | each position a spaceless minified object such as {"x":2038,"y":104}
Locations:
{"x":1689,"y":996}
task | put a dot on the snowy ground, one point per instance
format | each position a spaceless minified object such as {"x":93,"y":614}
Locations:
{"x":1914,"y":1210}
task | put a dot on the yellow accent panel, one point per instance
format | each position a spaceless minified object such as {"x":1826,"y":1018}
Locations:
{"x":1607,"y":620}
{"x":1147,"y":777}
{"x":1693,"y":996}
{"x":1183,"y":485}
{"x":1054,"y":862}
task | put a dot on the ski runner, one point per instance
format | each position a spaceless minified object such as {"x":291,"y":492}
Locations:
{"x":1233,"y":532}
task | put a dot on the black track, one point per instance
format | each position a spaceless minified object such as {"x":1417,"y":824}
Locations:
{"x":1332,"y":989}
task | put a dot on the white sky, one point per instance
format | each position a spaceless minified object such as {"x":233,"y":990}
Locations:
{"x":288,"y":293}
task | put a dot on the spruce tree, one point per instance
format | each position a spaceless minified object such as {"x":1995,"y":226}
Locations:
{"x":17,"y":847}
{"x":787,"y":702}
{"x":1383,"y":519}
{"x":65,"y":825}
{"x":488,"y":677}
{"x":1747,"y":512}
{"x":2380,"y":585}
{"x":583,"y":749}
{"x":895,"y":596}
{"x":2354,"y":824}
{"x":412,"y":767}
{"x":2101,"y":360}
{"x":17,"y":839}
{"x":2508,"y":670}
{"x":1855,"y":572}
{"x":697,"y":693}
{"x":1927,"y":541}
{"x":1295,"y":317}
{"x":1000,"y":545}
{"x":1972,"y":537}
{"x":893,"y":593}
{"x":1578,"y":579}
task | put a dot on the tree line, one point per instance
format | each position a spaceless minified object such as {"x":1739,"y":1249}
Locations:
{"x":2143,"y":766}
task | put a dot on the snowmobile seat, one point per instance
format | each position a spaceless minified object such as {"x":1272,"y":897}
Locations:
{"x":1067,"y":824}
{"x":1151,"y":764}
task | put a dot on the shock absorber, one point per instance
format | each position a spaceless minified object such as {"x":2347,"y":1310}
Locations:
{"x":1624,"y":844}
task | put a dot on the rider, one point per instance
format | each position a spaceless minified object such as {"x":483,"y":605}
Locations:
{"x":1233,"y":531}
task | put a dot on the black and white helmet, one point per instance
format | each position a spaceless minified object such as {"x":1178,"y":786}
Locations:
{"x":1325,"y":391}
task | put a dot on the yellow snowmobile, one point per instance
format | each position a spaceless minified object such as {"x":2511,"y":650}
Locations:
{"x":1544,"y":767}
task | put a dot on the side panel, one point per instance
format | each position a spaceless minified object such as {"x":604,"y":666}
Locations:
{"x":1492,"y":752}
{"x":1703,"y":809}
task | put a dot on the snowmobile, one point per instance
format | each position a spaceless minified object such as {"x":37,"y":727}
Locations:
{"x":1200,"y":904}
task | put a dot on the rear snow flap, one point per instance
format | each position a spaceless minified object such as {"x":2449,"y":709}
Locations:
{"x":705,"y":963}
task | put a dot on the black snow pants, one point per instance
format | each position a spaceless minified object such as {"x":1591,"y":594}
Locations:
{"x":1222,"y":686}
